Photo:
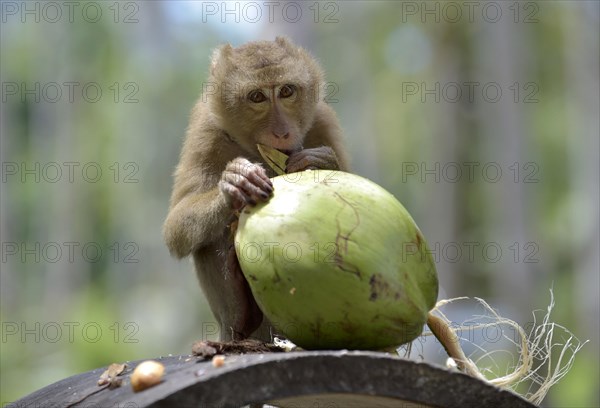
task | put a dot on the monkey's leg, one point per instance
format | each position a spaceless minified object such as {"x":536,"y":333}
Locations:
{"x":227,"y":292}
{"x":250,"y":316}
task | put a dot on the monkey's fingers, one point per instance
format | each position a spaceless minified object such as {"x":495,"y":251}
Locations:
{"x":253,"y":186}
{"x":254,"y":172}
{"x":239,"y":186}
{"x":234,"y":196}
{"x":318,"y":158}
{"x":259,"y":177}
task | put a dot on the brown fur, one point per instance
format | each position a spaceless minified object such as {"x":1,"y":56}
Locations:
{"x":225,"y":127}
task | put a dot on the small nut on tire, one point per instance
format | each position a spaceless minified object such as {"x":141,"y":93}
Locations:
{"x":146,"y":375}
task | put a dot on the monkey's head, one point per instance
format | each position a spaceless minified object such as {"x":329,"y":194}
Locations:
{"x":265,"y":92}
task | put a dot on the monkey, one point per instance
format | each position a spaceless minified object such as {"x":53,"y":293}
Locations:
{"x":262,"y":92}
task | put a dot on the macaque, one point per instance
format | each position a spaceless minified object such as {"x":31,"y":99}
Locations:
{"x":264,"y":92}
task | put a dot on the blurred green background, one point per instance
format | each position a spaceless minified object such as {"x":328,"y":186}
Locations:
{"x":483,"y":119}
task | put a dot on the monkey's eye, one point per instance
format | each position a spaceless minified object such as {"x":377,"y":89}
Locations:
{"x":257,"y":96}
{"x":287,"y":90}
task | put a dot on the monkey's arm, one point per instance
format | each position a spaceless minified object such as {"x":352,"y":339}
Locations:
{"x":197,"y":219}
{"x":207,"y":187}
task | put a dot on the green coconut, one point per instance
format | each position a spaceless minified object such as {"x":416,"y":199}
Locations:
{"x":335,"y":261}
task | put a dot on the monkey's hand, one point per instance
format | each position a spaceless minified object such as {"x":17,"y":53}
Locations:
{"x":243,"y":182}
{"x":318,"y":158}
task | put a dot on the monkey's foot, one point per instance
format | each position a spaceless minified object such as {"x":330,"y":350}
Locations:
{"x":208,"y":349}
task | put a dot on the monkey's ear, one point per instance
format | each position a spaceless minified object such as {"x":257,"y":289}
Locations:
{"x":219,"y":56}
{"x":283,"y":41}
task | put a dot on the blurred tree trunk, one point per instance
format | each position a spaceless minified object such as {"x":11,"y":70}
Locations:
{"x":63,"y":218}
{"x":503,"y":50}
{"x":443,"y":199}
{"x":583,"y":105}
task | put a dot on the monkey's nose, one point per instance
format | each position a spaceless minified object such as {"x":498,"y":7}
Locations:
{"x":281,"y":136}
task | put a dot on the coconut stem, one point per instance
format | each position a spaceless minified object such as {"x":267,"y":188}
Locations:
{"x":448,"y":338}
